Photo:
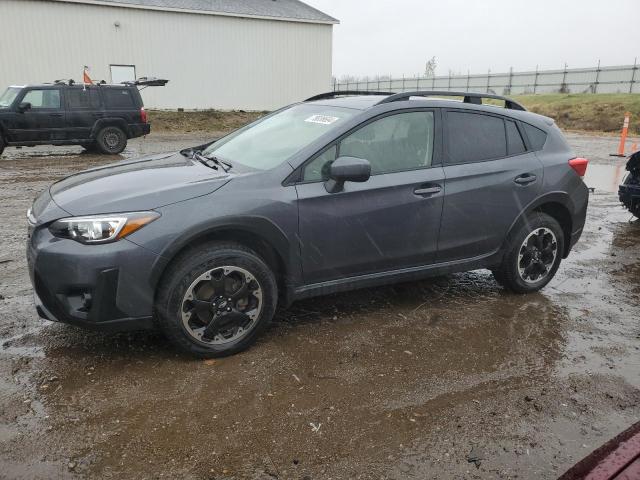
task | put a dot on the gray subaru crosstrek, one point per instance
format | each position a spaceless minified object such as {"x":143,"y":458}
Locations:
{"x":343,"y":191}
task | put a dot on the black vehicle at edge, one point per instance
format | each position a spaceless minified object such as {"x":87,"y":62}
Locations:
{"x":98,"y":117}
{"x":630,"y":189}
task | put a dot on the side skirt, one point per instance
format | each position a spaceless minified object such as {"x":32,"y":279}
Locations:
{"x":395,"y":276}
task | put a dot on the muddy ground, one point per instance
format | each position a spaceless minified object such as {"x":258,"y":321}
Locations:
{"x":395,"y":382}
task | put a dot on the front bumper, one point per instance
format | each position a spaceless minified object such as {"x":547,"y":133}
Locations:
{"x":101,"y":287}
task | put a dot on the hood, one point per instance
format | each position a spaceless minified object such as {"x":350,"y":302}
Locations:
{"x":141,"y":184}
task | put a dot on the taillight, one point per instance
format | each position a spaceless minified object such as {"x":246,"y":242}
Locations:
{"x":579,"y":165}
{"x":143,"y":115}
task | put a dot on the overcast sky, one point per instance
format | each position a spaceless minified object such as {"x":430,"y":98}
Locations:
{"x":398,"y":36}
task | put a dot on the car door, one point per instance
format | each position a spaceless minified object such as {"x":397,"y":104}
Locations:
{"x":44,"y":120}
{"x":83,"y":109}
{"x":490,"y":178}
{"x":390,"y":221}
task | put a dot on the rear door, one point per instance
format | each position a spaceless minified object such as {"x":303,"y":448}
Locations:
{"x":123,"y":102}
{"x":44,"y":121}
{"x":83,"y":109}
{"x":490,"y":178}
{"x":387,"y":223}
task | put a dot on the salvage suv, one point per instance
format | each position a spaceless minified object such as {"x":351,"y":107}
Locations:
{"x":98,"y":117}
{"x":342,"y":191}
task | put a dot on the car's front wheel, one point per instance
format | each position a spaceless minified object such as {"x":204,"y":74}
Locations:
{"x":1,"y":144}
{"x":216,"y":300}
{"x":111,"y":140}
{"x":533,"y":255}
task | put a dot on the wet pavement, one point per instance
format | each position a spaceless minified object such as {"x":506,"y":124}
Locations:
{"x":446,"y":378}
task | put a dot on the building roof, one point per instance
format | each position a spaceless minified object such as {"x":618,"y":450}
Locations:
{"x":287,"y":10}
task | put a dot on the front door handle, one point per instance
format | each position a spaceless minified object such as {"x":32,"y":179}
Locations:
{"x":426,"y":191}
{"x":526,"y":179}
{"x":55,"y":114}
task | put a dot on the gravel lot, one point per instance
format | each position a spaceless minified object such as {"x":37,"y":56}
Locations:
{"x":409,"y":381}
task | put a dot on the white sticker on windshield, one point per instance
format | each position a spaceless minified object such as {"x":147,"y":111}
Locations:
{"x":322,"y":119}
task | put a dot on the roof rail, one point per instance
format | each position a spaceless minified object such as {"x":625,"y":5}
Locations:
{"x":339,"y":93}
{"x":469,"y":97}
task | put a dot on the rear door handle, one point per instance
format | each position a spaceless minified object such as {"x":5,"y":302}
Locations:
{"x":55,"y":114}
{"x":526,"y":179}
{"x":426,"y":191}
{"x":98,"y":115}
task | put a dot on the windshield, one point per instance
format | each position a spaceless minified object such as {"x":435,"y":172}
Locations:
{"x":8,"y":96}
{"x":273,"y":140}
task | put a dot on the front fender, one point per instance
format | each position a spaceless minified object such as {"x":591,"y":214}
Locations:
{"x":231,"y":228}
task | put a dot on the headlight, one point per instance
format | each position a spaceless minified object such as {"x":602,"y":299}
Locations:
{"x":101,"y":228}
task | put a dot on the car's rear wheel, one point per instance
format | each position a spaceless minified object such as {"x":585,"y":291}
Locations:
{"x":1,"y":144}
{"x":533,"y":255}
{"x":111,"y":140}
{"x":216,"y":300}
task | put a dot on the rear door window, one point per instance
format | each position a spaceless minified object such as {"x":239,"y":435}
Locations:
{"x":515,"y":144}
{"x":119,"y":98}
{"x":81,"y":99}
{"x":474,"y":137}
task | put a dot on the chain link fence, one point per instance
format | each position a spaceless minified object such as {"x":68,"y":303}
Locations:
{"x":617,"y":79}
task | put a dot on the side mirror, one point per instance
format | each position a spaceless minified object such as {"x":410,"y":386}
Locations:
{"x":347,"y":169}
{"x":24,"y":106}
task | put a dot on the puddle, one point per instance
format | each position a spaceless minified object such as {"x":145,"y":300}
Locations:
{"x":605,"y":178}
{"x":392,"y":382}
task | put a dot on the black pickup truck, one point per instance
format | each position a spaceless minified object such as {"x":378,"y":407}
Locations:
{"x":630,"y":189}
{"x":99,"y":117}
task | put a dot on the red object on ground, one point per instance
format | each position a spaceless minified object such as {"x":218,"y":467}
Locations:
{"x":618,"y":459}
{"x":579,"y":165}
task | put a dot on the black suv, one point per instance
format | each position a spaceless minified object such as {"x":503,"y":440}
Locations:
{"x":98,"y":117}
{"x":630,"y":188}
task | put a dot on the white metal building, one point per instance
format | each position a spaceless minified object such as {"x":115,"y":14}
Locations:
{"x":226,"y":54}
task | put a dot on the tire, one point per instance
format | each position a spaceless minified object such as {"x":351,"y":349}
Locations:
{"x":201,"y":275}
{"x":1,"y":144}
{"x":525,"y":266}
{"x":111,"y":140}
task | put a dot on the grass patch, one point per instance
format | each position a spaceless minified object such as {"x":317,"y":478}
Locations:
{"x":205,"y":121}
{"x":588,"y":112}
{"x":599,"y":113}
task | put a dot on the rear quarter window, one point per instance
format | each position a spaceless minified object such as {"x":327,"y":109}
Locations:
{"x":474,"y":137}
{"x":119,"y":98}
{"x":537,"y":137}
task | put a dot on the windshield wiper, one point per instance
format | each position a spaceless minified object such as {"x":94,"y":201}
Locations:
{"x":226,"y":166}
{"x":211,"y":162}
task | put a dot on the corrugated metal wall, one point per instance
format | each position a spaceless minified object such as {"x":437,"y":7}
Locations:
{"x":211,"y":61}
